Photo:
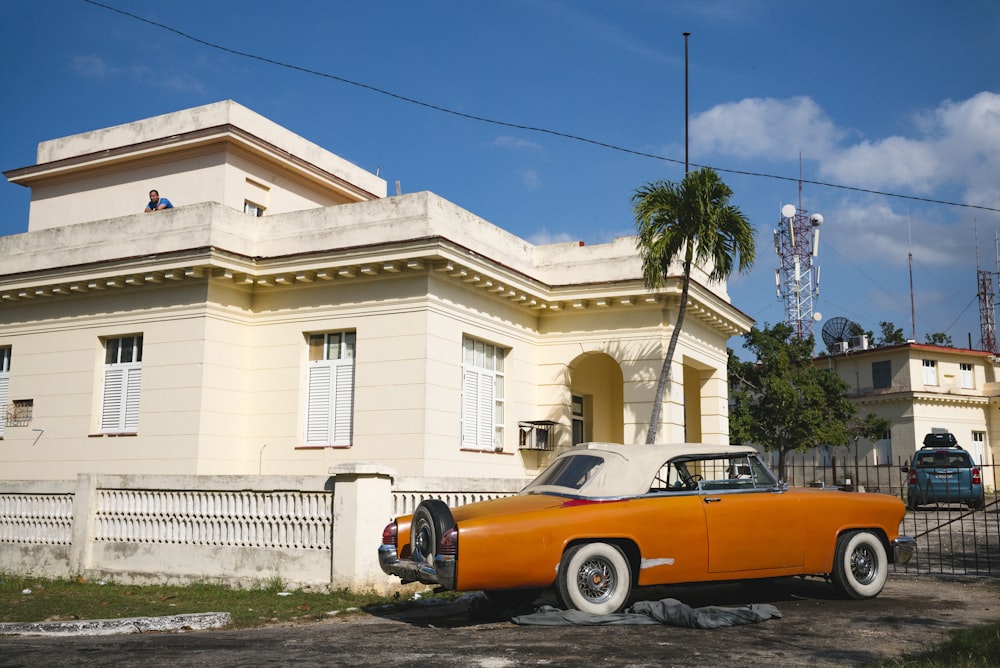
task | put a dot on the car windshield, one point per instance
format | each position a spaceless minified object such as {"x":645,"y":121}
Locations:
{"x":943,"y":459}
{"x":570,"y":472}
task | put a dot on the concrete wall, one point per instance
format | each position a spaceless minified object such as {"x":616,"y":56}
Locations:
{"x":238,"y":530}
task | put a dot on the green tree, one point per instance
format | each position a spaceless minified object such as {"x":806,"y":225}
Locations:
{"x":692,"y":220}
{"x":870,"y":427}
{"x":891,"y":335}
{"x":939,"y":339}
{"x":781,"y":400}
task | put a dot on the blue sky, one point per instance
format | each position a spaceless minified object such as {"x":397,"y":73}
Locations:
{"x":898,"y":96}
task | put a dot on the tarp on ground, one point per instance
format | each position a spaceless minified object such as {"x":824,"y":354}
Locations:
{"x":668,"y":611}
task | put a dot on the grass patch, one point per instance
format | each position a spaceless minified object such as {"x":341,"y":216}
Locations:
{"x":977,"y":647}
{"x":28,"y":599}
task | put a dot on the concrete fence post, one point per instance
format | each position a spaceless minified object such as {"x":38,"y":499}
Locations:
{"x":362,"y":506}
{"x":84,"y":516}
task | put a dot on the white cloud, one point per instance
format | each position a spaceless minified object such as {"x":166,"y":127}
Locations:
{"x":764,"y":128}
{"x":543,"y":236}
{"x":873,"y":236}
{"x":90,"y":66}
{"x":956,"y":144}
{"x":530,"y":179}
{"x":516,"y":143}
{"x":95,"y":67}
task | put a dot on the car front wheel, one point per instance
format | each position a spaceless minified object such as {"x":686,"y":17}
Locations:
{"x":594,"y":578}
{"x":860,"y":565}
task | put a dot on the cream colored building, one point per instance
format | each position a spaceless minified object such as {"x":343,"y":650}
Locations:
{"x":921,"y":389}
{"x":286,"y":317}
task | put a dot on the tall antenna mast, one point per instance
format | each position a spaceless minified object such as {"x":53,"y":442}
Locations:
{"x":913,"y":310}
{"x":796,"y":241}
{"x":987,"y":307}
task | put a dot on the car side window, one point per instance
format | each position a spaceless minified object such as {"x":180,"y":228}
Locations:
{"x":741,"y":473}
{"x":675,"y":476}
{"x":736,"y":473}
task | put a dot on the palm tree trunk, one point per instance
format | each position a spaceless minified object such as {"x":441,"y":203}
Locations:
{"x":664,"y":380}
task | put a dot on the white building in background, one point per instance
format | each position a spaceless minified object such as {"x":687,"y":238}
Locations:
{"x":286,"y":317}
{"x":921,"y":389}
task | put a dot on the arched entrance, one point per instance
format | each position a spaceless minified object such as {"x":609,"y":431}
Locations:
{"x":597,"y":405}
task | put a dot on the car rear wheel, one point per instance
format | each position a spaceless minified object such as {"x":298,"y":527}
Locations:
{"x":594,"y":578}
{"x":860,"y":565}
{"x":431,"y":520}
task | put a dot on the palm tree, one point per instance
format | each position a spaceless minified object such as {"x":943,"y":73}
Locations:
{"x":694,"y":220}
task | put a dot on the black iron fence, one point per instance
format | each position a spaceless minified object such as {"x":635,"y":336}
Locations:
{"x":952,"y":538}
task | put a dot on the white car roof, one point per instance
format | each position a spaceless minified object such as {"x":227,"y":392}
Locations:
{"x":628,"y":469}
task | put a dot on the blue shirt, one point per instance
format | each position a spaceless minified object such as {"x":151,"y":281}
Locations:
{"x":163,"y":200}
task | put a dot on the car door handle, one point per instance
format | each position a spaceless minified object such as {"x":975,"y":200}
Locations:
{"x":712,"y":499}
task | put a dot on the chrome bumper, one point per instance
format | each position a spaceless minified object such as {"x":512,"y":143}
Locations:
{"x":441,"y":574}
{"x":903,"y":549}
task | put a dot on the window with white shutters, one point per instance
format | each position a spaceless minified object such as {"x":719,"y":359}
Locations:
{"x":482,"y":395}
{"x":330,"y":389}
{"x":930,"y":372}
{"x":122,"y":383}
{"x":967,"y":376}
{"x":4,"y":385}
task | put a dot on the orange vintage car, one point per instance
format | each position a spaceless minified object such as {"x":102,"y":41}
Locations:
{"x":603,"y":519}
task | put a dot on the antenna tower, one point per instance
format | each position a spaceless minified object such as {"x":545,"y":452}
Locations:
{"x":987,"y":305}
{"x":796,"y":241}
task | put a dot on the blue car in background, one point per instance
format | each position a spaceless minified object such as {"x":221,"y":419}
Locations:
{"x":942,"y":472}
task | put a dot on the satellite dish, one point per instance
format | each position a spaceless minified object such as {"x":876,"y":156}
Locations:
{"x":817,"y":316}
{"x":788,"y":211}
{"x":836,"y":330}
{"x":816,"y":219}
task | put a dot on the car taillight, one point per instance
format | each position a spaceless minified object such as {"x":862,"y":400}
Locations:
{"x":448,"y":545}
{"x":976,"y":480}
{"x":913,"y":476}
{"x":389,"y":534}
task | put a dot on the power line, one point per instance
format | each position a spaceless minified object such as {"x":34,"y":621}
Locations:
{"x":519,"y":126}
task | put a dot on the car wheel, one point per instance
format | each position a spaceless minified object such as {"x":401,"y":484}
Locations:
{"x":912,"y":504}
{"x":594,"y":578}
{"x":860,"y":565}
{"x":431,"y":520}
{"x":977,"y":504}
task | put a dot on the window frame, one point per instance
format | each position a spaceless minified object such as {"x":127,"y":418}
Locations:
{"x":881,"y":374}
{"x":6,"y":352}
{"x":967,"y":377}
{"x":329,"y":401}
{"x":121,"y":389}
{"x":930,"y":372}
{"x":483,"y":403}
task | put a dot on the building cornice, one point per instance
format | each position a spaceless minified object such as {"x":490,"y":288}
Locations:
{"x":941,"y":398}
{"x":427,"y":256}
{"x":232,"y":135}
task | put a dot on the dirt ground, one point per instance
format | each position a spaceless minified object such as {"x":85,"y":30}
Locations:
{"x":914,"y":612}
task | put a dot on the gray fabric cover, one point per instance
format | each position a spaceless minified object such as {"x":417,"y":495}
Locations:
{"x":669,"y":611}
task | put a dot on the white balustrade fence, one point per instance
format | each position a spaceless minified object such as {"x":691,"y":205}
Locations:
{"x":294,"y":520}
{"x":234,"y":529}
{"x":43,"y":519}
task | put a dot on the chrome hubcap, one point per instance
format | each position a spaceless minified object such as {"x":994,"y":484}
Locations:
{"x":864,"y":566}
{"x":596,"y":580}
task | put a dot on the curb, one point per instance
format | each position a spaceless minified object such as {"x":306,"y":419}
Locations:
{"x":107,"y":627}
